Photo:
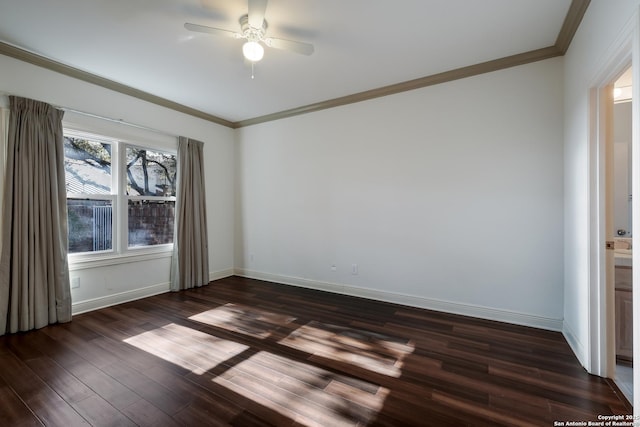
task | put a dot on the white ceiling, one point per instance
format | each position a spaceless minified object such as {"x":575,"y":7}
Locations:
{"x":359,"y":44}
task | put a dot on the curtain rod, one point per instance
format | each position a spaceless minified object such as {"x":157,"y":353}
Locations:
{"x":119,"y":121}
{"x":96,"y":116}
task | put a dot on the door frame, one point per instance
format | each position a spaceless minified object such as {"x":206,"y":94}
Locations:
{"x":602,"y":295}
{"x":601,"y":347}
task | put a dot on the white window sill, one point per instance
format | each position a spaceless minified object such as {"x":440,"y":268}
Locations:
{"x":87,"y":261}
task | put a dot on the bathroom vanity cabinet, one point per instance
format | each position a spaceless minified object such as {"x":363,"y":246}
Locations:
{"x":624,"y":314}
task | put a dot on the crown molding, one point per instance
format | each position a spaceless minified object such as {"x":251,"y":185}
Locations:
{"x":434,"y":79}
{"x":35,"y":59}
{"x":572,"y":21}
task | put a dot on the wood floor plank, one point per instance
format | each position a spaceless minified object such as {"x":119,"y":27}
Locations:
{"x":98,"y":412}
{"x":13,"y":411}
{"x":206,"y":413}
{"x":244,"y":352}
{"x":59,"y":379}
{"x":43,"y":401}
{"x":245,"y":400}
{"x":144,"y":413}
{"x":152,"y":392}
{"x":104,"y":385}
{"x":82,"y":346}
{"x":109,"y":392}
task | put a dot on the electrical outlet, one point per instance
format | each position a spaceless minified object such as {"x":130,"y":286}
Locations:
{"x":75,"y":282}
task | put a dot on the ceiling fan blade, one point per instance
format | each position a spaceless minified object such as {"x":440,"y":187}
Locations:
{"x":210,"y":30}
{"x":293,"y":46}
{"x":257,"y":9}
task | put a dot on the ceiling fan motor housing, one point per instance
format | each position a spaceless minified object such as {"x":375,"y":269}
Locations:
{"x":251,"y":33}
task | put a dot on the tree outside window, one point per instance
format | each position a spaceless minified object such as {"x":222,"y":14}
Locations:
{"x":151,"y":190}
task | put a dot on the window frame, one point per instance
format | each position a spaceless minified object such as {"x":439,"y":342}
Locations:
{"x":120,"y":252}
{"x":124,"y":212}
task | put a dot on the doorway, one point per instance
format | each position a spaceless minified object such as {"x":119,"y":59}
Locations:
{"x":600,"y":356}
{"x":622,"y":230}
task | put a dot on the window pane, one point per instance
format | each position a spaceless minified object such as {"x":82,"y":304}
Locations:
{"x":150,"y":173}
{"x":90,"y":224}
{"x":87,"y":166}
{"x":150,"y":222}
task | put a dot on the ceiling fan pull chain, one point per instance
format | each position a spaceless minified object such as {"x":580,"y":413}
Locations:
{"x":252,"y":76}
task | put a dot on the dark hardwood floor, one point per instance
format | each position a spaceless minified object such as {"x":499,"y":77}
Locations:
{"x":249,"y":353}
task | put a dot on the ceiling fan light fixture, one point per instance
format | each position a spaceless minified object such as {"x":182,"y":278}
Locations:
{"x":253,"y":51}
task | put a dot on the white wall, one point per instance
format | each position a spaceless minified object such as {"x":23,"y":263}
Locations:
{"x":448,"y":197}
{"x":115,"y":283}
{"x":590,"y":49}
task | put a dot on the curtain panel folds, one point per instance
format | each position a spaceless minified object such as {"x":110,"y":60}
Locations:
{"x":4,"y":128}
{"x":190,"y":262}
{"x":34,"y":273}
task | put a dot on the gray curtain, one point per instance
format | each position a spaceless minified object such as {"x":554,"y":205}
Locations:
{"x":4,"y":125}
{"x":34,"y":274}
{"x":190,"y":262}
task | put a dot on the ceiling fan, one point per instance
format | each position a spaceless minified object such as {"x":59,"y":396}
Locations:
{"x":253,"y":28}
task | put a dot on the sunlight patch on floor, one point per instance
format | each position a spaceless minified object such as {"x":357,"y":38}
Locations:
{"x":305,"y":393}
{"x":190,"y":349}
{"x":302,"y":391}
{"x":243,"y":319}
{"x":376,"y":352}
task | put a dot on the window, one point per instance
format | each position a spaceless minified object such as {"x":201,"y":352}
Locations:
{"x":90,"y":200}
{"x":120,"y":197}
{"x":151,"y":190}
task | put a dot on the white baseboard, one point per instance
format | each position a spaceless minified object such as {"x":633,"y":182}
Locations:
{"x":575,"y":344}
{"x":132,"y":295}
{"x":412,"y":301}
{"x":216,"y":275}
{"x":119,"y":298}
{"x":408,"y":300}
